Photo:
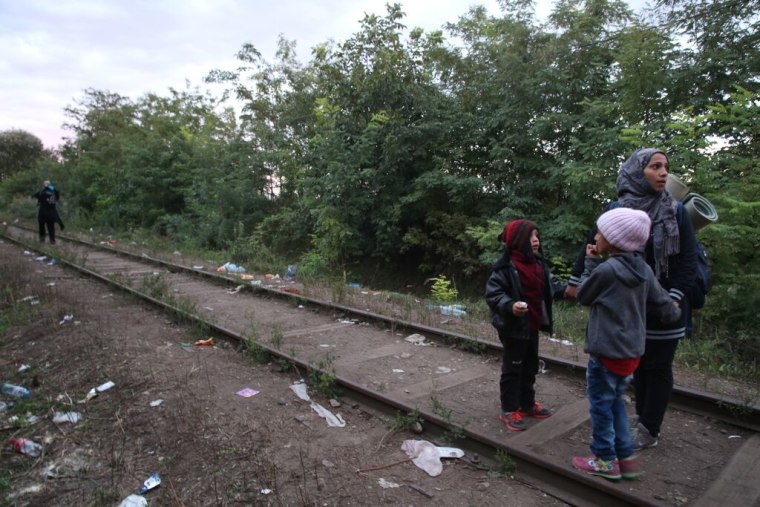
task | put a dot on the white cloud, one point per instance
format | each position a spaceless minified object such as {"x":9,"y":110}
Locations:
{"x":54,"y":49}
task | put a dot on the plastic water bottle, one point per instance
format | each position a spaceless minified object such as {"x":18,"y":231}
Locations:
{"x":26,"y":446}
{"x":16,"y":391}
{"x":455,"y":310}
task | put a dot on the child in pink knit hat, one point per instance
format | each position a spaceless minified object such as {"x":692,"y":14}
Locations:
{"x":618,"y":290}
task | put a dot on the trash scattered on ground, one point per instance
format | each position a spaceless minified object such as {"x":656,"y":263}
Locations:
{"x":387,"y":484}
{"x":332,"y":420}
{"x":16,"y":391}
{"x":3,"y":406}
{"x":198,"y":267}
{"x":23,"y":368}
{"x":26,"y":446}
{"x":95,"y":390}
{"x":427,"y":456}
{"x":266,"y":491}
{"x":270,"y":276}
{"x":150,"y":483}
{"x":247,"y":392}
{"x":542,"y":366}
{"x":734,"y":436}
{"x":51,"y":284}
{"x":455,"y":310}
{"x":66,"y":318}
{"x":236,"y":289}
{"x":229,"y":267}
{"x":256,"y":283}
{"x":134,"y":501}
{"x":346,"y":321}
{"x":40,"y":258}
{"x":292,"y":291}
{"x":396,"y":370}
{"x":67,"y":417}
{"x":563,"y":342}
{"x":208,"y":342}
{"x":33,"y":300}
{"x":52,"y":262}
{"x":417,"y":339}
{"x":443,"y":369}
{"x":156,"y":403}
{"x":290,"y":274}
{"x":247,"y":277}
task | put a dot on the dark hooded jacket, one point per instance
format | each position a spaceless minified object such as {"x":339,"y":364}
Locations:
{"x":619,"y":291}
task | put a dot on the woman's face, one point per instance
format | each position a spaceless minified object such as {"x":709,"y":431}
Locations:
{"x":656,"y":172}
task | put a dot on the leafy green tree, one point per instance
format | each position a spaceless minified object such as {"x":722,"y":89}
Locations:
{"x":19,"y":151}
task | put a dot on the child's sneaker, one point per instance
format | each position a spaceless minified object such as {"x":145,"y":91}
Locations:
{"x":537,"y":411}
{"x":596,"y":466}
{"x":642,"y":439}
{"x":513,"y":421}
{"x":629,"y":467}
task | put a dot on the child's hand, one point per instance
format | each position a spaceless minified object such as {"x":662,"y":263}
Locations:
{"x":591,"y":251}
{"x":520,"y":308}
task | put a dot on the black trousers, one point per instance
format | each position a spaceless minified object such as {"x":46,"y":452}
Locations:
{"x":50,"y":225}
{"x":519,"y":366}
{"x":653,"y":383}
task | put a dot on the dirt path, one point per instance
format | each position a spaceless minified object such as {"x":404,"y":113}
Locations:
{"x":208,"y":445}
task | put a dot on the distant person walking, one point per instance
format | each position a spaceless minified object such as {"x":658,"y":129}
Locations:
{"x":620,"y":288}
{"x":519,"y":293}
{"x":47,"y":215}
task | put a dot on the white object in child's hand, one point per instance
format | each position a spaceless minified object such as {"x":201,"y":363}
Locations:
{"x":521,"y":304}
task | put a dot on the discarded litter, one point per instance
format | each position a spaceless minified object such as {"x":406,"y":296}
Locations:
{"x":455,"y":310}
{"x":355,"y":285}
{"x":23,"y":368}
{"x":134,"y":501}
{"x":208,"y":342}
{"x":247,"y":392}
{"x":332,"y":419}
{"x":290,"y":274}
{"x":105,"y":386}
{"x":443,"y":369}
{"x":156,"y":403}
{"x":247,"y":277}
{"x":266,"y":491}
{"x":427,"y":456}
{"x":65,"y":319}
{"x":236,"y":289}
{"x":197,"y":267}
{"x":563,"y":342}
{"x":150,"y":483}
{"x":387,"y":484}
{"x":67,"y":417}
{"x":16,"y":391}
{"x":52,"y":262}
{"x":26,"y":446}
{"x":229,"y":267}
{"x":417,"y":339}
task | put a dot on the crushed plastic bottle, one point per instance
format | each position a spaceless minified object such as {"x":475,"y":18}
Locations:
{"x":16,"y":391}
{"x":455,"y":310}
{"x":150,"y":483}
{"x":26,"y":446}
{"x":229,"y":267}
{"x":290,"y":274}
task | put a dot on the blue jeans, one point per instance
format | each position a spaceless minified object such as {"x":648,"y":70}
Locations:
{"x":609,"y":420}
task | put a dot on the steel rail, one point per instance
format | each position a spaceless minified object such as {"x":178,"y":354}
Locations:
{"x":744,"y":414}
{"x":564,"y":483}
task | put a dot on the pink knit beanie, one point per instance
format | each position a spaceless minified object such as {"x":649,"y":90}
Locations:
{"x":625,"y":228}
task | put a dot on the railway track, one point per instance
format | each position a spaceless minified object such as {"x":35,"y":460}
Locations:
{"x":453,"y":390}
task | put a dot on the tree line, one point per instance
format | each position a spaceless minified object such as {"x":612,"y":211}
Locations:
{"x":404,"y":148}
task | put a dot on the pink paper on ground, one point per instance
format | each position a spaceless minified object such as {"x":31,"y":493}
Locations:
{"x":247,"y":392}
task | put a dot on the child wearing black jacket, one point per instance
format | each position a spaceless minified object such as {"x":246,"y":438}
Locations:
{"x":519,"y":293}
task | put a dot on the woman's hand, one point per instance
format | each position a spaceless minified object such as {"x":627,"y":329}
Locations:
{"x":591,"y":251}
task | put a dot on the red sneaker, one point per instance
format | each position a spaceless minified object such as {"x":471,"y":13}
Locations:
{"x":512,"y":421}
{"x":537,"y":411}
{"x":629,"y":467}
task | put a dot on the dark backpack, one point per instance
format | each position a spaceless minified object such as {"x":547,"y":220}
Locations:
{"x":704,"y":279}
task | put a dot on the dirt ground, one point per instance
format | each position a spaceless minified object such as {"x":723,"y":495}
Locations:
{"x":174,"y":411}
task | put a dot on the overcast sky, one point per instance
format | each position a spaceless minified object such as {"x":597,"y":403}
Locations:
{"x":52,"y":50}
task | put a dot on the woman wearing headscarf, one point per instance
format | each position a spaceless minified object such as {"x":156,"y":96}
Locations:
{"x":671,"y":252}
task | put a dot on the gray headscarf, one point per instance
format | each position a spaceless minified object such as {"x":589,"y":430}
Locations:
{"x":635,"y":192}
